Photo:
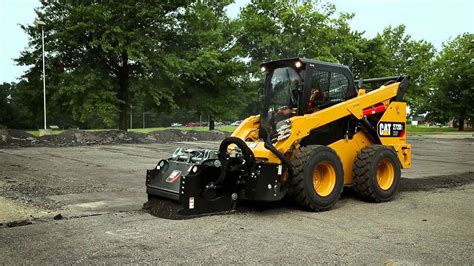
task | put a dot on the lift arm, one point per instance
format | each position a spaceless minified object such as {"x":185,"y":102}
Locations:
{"x":301,"y":126}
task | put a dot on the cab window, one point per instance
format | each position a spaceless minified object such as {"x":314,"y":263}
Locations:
{"x":327,"y":88}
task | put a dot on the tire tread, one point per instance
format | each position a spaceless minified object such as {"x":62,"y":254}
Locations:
{"x":362,"y":173}
{"x":296,"y":189}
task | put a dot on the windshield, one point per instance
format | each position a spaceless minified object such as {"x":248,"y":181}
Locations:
{"x":281,"y":90}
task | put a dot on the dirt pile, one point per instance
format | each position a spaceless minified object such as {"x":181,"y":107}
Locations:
{"x":19,"y":138}
{"x":14,"y":137}
{"x":78,"y":137}
{"x":172,"y":135}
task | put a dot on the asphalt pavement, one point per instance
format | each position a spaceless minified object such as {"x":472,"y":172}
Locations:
{"x":96,"y":194}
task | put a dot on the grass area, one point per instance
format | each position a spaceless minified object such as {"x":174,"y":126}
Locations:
{"x":36,"y":132}
{"x":424,"y":130}
{"x":146,"y":130}
{"x":417,"y":130}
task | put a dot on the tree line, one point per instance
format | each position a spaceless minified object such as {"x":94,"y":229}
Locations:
{"x":106,"y":57}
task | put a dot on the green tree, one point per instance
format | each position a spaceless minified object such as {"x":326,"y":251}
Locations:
{"x":212,"y":75}
{"x":271,"y":30}
{"x":15,"y":102}
{"x":6,"y":110}
{"x":369,"y":58}
{"x":452,"y":93}
{"x":95,"y":50}
{"x":394,"y":52}
{"x":415,"y":58}
{"x":101,"y":54}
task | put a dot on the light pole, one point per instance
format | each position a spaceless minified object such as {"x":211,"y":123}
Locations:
{"x":42,"y":24}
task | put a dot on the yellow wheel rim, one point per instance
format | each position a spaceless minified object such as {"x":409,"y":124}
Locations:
{"x":324,"y":179}
{"x":385,"y":174}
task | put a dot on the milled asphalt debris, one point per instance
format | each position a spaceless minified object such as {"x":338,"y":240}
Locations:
{"x":20,"y":138}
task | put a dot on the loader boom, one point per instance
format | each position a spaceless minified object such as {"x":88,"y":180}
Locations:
{"x":302,"y":125}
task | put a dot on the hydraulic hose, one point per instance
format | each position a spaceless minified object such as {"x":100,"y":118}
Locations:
{"x":246,"y":152}
{"x":269,"y":146}
{"x":370,"y":129}
{"x":248,"y":156}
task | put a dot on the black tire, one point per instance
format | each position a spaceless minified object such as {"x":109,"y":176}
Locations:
{"x":301,"y":188}
{"x":365,"y":168}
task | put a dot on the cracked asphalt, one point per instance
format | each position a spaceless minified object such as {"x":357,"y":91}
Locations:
{"x":99,"y":192}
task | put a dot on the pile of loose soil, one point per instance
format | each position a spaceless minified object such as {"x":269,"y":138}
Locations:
{"x":14,"y":137}
{"x":78,"y":137}
{"x":19,"y":138}
{"x":173,"y":135}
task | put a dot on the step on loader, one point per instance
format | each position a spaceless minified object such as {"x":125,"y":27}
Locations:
{"x":317,"y":132}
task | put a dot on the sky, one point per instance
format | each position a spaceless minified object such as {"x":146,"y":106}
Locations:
{"x":433,"y":20}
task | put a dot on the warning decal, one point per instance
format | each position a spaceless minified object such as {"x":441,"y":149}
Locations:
{"x":173,"y":176}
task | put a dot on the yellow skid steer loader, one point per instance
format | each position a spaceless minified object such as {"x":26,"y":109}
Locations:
{"x":317,"y":132}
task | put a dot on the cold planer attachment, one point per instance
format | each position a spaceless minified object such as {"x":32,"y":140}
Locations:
{"x":207,"y":182}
